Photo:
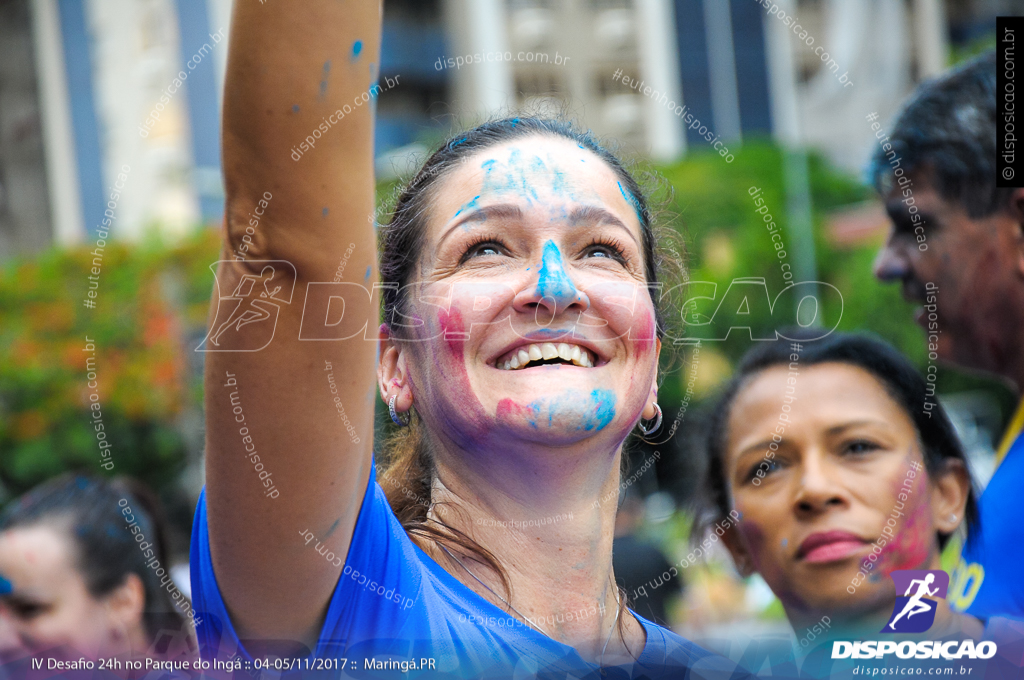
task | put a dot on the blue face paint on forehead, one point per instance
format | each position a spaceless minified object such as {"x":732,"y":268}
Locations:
{"x":552,"y":281}
{"x":466,"y":206}
{"x":632,"y":200}
{"x":500,"y":178}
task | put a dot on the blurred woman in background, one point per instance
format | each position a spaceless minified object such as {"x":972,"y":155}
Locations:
{"x":840,"y":477}
{"x":80,"y":581}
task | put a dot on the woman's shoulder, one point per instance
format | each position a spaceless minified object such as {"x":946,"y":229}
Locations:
{"x":669,"y":655}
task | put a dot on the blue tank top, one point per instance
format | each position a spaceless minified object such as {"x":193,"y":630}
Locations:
{"x":393,"y":604}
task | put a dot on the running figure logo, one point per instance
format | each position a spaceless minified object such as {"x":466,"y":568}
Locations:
{"x":917,"y":587}
{"x":254,"y":299}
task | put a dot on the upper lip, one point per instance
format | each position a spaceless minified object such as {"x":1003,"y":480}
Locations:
{"x":538,"y":337}
{"x":912,"y":290}
{"x":821,"y":538}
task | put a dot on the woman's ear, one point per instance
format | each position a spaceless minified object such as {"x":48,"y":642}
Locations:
{"x":391,"y":374}
{"x":737,"y":546}
{"x":126,"y":604}
{"x":950,"y":489}
{"x":649,"y":411}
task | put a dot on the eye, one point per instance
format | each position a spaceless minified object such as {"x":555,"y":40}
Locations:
{"x":483,"y":247}
{"x":608,"y":249}
{"x":860,"y":446}
{"x":27,"y":610}
{"x":768,"y":466}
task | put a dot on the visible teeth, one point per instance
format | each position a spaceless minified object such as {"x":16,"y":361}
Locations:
{"x":534,"y":353}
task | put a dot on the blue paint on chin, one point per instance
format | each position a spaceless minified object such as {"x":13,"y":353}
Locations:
{"x":369,"y":270}
{"x":552,"y":281}
{"x":598,"y":409}
{"x":357,"y":49}
{"x":604,"y":410}
{"x":324,"y":212}
{"x":785,"y":542}
{"x":5,"y":586}
{"x":295,"y":108}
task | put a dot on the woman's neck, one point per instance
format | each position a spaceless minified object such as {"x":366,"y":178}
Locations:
{"x":551,"y":532}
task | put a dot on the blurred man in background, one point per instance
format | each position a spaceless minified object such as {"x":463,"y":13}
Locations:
{"x":957,"y":247}
{"x":640,"y":566}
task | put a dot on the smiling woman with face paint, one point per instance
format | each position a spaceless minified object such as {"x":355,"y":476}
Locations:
{"x":840,"y":477}
{"x":519,"y":349}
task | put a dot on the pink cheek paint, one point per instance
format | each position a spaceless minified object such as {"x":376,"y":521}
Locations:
{"x":509,"y":412}
{"x":912,"y":546}
{"x":452,"y":379}
{"x":642,"y":332}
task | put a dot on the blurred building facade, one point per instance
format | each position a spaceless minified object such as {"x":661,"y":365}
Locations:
{"x":89,"y":87}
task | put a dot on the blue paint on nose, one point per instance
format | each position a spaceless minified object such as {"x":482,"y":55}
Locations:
{"x":5,"y":586}
{"x":552,"y":281}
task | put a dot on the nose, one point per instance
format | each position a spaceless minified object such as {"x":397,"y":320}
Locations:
{"x":553,"y":288}
{"x":818,"y":490}
{"x":892,"y":262}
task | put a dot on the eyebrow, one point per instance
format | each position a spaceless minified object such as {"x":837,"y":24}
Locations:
{"x":593,"y":213}
{"x":506,"y":211}
{"x":582,"y":214}
{"x":856,"y":423}
{"x":832,"y":431}
{"x":898,"y":213}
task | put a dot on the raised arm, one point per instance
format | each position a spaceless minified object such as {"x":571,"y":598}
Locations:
{"x":291,"y":67}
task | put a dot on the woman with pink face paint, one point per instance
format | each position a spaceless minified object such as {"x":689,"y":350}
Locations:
{"x":518,"y":350}
{"x":839,"y":476}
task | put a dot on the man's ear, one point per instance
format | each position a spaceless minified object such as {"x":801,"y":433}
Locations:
{"x":737,"y":547}
{"x":391,"y":371}
{"x":950,"y":489}
{"x":1017,"y":215}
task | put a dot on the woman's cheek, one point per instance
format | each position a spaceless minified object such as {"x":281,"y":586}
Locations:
{"x":912,"y":545}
